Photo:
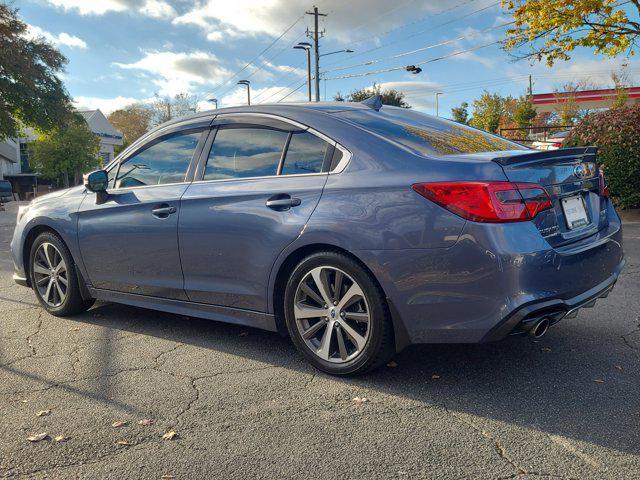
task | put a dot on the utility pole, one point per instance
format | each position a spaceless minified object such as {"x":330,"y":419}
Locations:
{"x":530,"y":86}
{"x":315,"y":35}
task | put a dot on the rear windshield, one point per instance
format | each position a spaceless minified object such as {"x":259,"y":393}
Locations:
{"x":427,"y":135}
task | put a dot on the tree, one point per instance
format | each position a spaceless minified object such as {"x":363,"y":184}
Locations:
{"x":620,"y":82}
{"x":390,"y":96}
{"x":487,"y":112}
{"x":30,"y":92}
{"x":460,"y":114}
{"x":164,"y":109}
{"x":524,"y":112}
{"x":567,"y":109}
{"x":550,"y":30}
{"x":65,"y":152}
{"x":133,"y":121}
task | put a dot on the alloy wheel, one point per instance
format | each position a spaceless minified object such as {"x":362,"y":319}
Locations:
{"x":332,"y":314}
{"x":50,"y":275}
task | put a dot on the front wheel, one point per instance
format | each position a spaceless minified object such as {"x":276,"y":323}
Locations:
{"x":336,"y":315}
{"x":53,"y":277}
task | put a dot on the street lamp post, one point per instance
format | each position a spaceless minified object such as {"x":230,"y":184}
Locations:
{"x":213,"y":100}
{"x":344,"y":50}
{"x":247,"y":84}
{"x":306,"y":46}
{"x":437,"y":95}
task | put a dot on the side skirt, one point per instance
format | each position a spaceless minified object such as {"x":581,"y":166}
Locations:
{"x":236,"y":316}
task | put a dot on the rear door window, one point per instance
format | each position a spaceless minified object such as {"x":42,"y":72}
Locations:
{"x":305,"y":154}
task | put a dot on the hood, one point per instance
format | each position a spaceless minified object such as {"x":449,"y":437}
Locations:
{"x":57,"y":194}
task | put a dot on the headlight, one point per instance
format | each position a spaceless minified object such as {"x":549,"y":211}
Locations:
{"x":22,"y":209}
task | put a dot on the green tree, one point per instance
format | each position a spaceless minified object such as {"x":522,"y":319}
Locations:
{"x":133,"y":121}
{"x":620,"y":83}
{"x":390,"y":96}
{"x":550,"y":30}
{"x":488,"y":111}
{"x":66,"y":152}
{"x":524,"y":112}
{"x":30,"y":92}
{"x":460,"y":114}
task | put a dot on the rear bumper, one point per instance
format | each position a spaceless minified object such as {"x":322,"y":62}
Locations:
{"x":493,"y":278}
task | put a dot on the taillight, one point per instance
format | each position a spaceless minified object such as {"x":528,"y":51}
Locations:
{"x":604,"y":189}
{"x":491,"y":202}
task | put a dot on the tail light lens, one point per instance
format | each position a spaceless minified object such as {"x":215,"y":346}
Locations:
{"x":604,"y":190}
{"x":489,"y":202}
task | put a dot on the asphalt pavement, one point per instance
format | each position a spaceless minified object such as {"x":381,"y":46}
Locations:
{"x":128,"y":393}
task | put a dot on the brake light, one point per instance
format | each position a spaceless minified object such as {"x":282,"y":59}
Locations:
{"x":604,"y":189}
{"x":489,"y":202}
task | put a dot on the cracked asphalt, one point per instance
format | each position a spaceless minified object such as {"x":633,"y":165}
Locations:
{"x":244,"y":404}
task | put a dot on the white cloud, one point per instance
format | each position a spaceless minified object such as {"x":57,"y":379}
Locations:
{"x":348,"y":19}
{"x":238,"y":96}
{"x":180,"y":72}
{"x":62,"y":39}
{"x":106,"y":105}
{"x":150,"y":8}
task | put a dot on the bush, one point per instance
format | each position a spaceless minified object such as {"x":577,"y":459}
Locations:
{"x":616,"y":133}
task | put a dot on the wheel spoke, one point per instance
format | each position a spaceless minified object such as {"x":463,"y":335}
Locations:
{"x":342,"y":348}
{"x":59,"y":290}
{"x":47,"y":256}
{"x":47,"y":293}
{"x":311,"y":331}
{"x":37,"y":268}
{"x":357,"y":316}
{"x":308,"y":312}
{"x":310,"y":293}
{"x":62,"y":280}
{"x":353,"y":294}
{"x":43,"y":280}
{"x":321,"y":285}
{"x":355,"y":337}
{"x":337,"y":286}
{"x":325,"y":343}
{"x":61,"y":267}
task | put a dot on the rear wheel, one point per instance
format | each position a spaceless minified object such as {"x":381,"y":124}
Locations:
{"x":53,"y":276}
{"x":336,"y":315}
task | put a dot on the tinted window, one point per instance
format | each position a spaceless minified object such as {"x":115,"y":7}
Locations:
{"x":245,"y":152}
{"x":305,"y":154}
{"x":428,"y":135}
{"x":161,"y":163}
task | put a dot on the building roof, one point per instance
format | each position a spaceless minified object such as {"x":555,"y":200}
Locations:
{"x":99,"y":125}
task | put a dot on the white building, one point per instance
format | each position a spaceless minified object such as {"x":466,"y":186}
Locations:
{"x":14,"y":153}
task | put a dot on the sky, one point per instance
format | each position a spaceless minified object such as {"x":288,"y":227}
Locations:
{"x":123,"y":51}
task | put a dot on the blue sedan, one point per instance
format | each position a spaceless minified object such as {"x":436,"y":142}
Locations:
{"x":356,"y":229}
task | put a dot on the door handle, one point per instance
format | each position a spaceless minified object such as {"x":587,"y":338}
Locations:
{"x":282,"y":202}
{"x":164,"y":210}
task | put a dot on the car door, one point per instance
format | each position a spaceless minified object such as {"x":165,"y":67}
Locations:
{"x":255,"y":189}
{"x":129,"y":243}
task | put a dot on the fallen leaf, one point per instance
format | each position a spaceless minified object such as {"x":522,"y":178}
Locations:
{"x":598,"y":380}
{"x":38,"y":437}
{"x":244,"y":334}
{"x":435,"y":377}
{"x":359,"y":400}
{"x":74,"y":329}
{"x":545,"y":349}
{"x":118,"y":424}
{"x":43,"y":413}
{"x":169,"y":435}
{"x":619,"y":367}
{"x":61,"y":438}
{"x":167,"y":476}
{"x":392,"y":364}
{"x":122,"y":442}
{"x":145,"y":422}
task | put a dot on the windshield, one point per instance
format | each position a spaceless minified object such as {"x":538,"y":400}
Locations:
{"x":425,"y":134}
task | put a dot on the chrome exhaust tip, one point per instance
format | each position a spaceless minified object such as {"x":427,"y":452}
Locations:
{"x":539,"y":328}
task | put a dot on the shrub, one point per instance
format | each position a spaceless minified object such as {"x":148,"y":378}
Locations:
{"x":616,"y":133}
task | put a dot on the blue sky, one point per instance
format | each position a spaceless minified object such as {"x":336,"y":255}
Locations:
{"x":122,"y":51}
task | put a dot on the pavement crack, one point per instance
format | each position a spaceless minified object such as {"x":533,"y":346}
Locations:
{"x":32,"y":335}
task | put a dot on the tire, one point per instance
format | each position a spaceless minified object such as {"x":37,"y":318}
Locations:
{"x":62,"y":300}
{"x":358,"y":316}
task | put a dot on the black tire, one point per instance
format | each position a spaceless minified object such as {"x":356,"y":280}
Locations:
{"x":73,"y":303}
{"x":379,"y":346}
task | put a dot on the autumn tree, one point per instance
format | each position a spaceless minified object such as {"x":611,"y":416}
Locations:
{"x":487,"y":112}
{"x":31,"y":93}
{"x":460,"y":114}
{"x":133,"y":121}
{"x":390,"y":96}
{"x":164,"y":109}
{"x":65,"y":152}
{"x":620,"y":83}
{"x":548,"y":31}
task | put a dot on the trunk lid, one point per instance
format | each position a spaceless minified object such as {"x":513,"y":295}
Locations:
{"x":570,"y":177}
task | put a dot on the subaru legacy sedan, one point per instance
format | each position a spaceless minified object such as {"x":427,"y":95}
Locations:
{"x":354,"y":228}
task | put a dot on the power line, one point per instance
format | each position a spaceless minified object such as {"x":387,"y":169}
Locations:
{"x":411,"y":52}
{"x":292,"y":92}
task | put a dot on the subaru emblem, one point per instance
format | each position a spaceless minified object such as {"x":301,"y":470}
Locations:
{"x":584,"y":170}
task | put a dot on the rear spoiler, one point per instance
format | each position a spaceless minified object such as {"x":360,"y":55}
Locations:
{"x":586,"y":153}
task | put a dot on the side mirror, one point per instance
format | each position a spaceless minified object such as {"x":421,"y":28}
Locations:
{"x":97,"y":182}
